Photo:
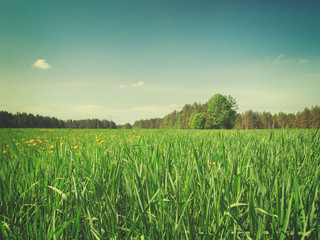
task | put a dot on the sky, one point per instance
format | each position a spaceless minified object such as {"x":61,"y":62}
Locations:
{"x":129,"y":60}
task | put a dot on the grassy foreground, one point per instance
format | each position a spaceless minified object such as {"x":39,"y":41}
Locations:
{"x":159,"y":184}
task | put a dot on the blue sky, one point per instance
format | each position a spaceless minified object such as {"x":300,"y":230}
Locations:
{"x":131,"y":60}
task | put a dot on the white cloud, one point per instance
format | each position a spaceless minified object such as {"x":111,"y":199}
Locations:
{"x":138,"y":84}
{"x":41,"y":63}
{"x":302,"y":61}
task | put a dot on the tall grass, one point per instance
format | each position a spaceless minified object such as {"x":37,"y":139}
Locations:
{"x":142,"y":184}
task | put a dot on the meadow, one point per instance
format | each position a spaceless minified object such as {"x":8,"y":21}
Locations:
{"x":159,"y":184}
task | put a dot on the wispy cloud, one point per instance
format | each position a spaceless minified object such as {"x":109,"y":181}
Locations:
{"x":302,"y":61}
{"x":41,"y":63}
{"x":136,"y":84}
{"x":313,"y":76}
{"x":278,"y":60}
{"x":282,"y":59}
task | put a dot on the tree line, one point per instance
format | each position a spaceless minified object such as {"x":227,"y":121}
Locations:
{"x":199,"y":116}
{"x":219,"y":112}
{"x":308,"y":118}
{"x":24,"y":120}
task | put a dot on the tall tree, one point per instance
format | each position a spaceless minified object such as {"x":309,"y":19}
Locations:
{"x":221,"y":112}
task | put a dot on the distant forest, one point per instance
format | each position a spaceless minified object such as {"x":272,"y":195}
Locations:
{"x":24,"y":120}
{"x":218,"y":113}
{"x":308,"y":118}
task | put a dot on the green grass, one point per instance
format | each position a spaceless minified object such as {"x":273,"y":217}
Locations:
{"x":159,"y":184}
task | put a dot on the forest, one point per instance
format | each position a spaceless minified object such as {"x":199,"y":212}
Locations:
{"x":308,"y":118}
{"x":219,"y":112}
{"x":185,"y":119}
{"x":24,"y":120}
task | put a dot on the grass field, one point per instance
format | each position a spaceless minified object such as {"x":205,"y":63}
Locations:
{"x":159,"y":184}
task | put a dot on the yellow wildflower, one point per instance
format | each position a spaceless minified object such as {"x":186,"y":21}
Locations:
{"x":17,"y":144}
{"x":31,"y":141}
{"x":51,"y":147}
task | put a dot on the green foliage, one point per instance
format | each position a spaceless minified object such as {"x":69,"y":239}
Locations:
{"x":197,"y":121}
{"x":221,"y":113}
